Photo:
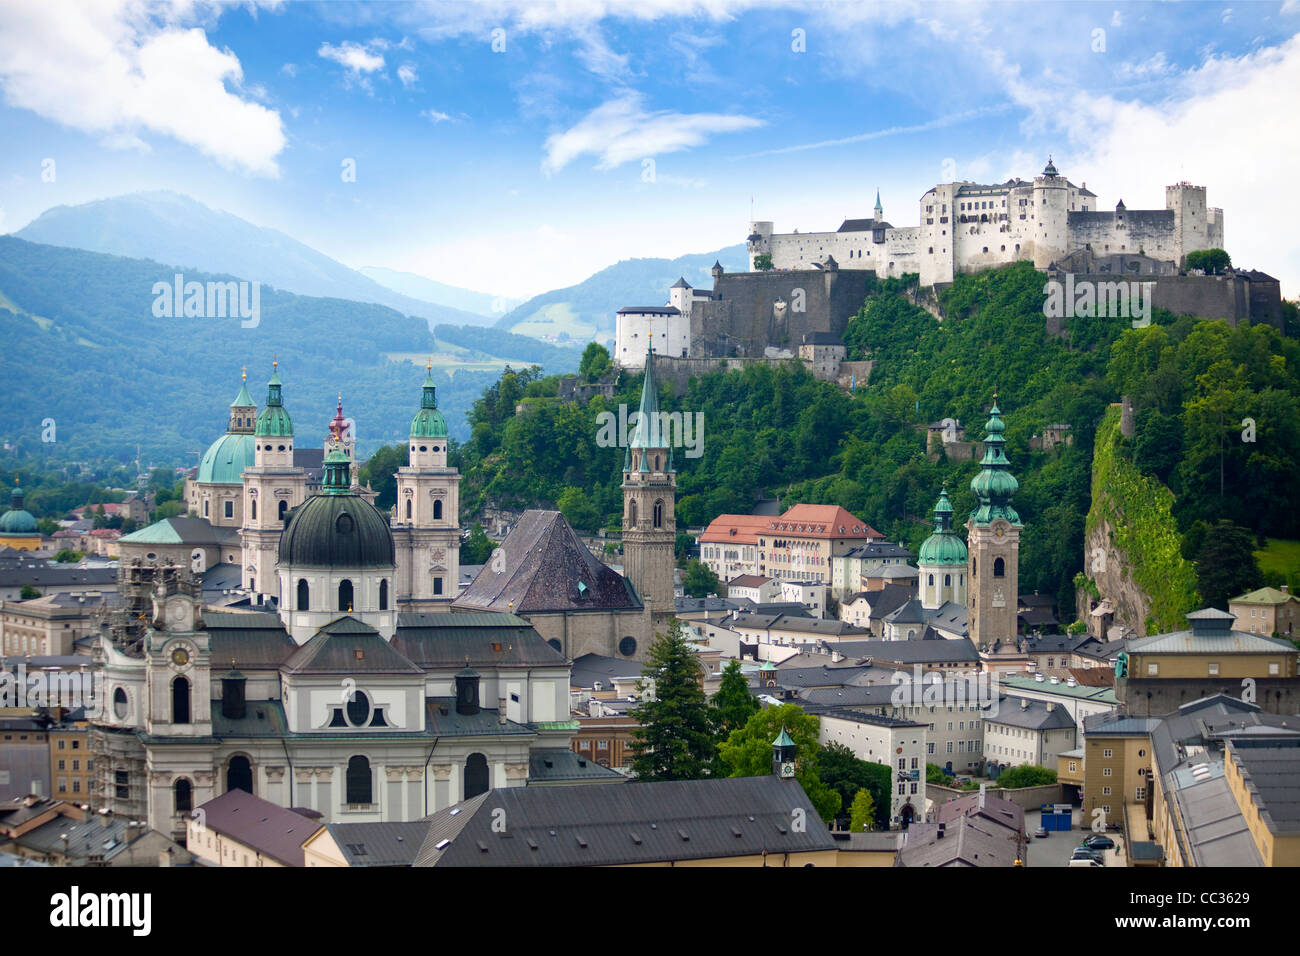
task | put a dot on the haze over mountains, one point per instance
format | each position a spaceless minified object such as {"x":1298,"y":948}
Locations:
{"x":175,"y":229}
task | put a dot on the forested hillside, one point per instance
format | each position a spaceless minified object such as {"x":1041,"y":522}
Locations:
{"x":774,"y":429}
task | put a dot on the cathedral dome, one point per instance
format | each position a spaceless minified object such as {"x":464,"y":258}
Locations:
{"x":225,"y":460}
{"x":944,"y":547}
{"x":274,"y":421}
{"x":16,"y":520}
{"x":336,"y":531}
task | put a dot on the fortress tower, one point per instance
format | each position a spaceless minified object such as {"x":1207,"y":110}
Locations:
{"x":1196,"y":226}
{"x":649,"y":497}
{"x":1051,"y":209}
{"x":993,"y":541}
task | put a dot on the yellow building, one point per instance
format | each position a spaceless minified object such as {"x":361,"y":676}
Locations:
{"x":1267,"y":611}
{"x":1116,"y":766}
{"x":1262,"y":776}
{"x":239,"y":829}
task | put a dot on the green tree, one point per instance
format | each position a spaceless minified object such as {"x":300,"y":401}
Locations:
{"x":1213,"y":261}
{"x":846,"y":774}
{"x":699,"y":581}
{"x":68,"y":556}
{"x":674,"y":739}
{"x":578,"y":509}
{"x":28,"y":592}
{"x":936,"y":774}
{"x":478,"y":547}
{"x":862,"y":812}
{"x":733,"y":704}
{"x":747,"y":752}
{"x":47,"y":526}
{"x":595,"y":362}
{"x":1028,"y":775}
{"x":380,"y":473}
{"x":763,"y":262}
{"x":1226,"y":565}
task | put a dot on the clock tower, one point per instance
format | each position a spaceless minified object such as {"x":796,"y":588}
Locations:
{"x":993,"y":543}
{"x":783,"y":749}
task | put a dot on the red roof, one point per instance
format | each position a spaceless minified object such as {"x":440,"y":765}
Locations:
{"x":737,"y":529}
{"x":821,"y":521}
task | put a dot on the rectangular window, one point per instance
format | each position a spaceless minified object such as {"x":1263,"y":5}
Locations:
{"x":1105,"y":791}
{"x":61,"y":744}
{"x":1105,"y":771}
{"x":1153,"y":670}
{"x":1214,"y":670}
{"x":1107,"y":753}
{"x":437,"y":585}
{"x":1140,"y":793}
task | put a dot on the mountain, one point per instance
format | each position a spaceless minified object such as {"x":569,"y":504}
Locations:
{"x":172,"y":228}
{"x":484,"y":304}
{"x":588,"y":309}
{"x":86,"y":348}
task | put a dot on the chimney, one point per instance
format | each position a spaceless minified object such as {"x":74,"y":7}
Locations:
{"x":1024,"y":703}
{"x":501,"y":710}
{"x":982,"y":796}
{"x":941,"y":829}
{"x":105,"y":818}
{"x":1050,"y":705}
{"x":133,"y":830}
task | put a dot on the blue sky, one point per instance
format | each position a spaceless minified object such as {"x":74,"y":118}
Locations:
{"x":520,"y":170}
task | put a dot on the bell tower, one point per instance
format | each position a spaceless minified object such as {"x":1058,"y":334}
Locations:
{"x":993,"y":541}
{"x":649,"y":499}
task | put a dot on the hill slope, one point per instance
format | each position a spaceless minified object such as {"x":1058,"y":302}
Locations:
{"x":589,"y":308}
{"x":489,"y":307}
{"x":84,"y":348}
{"x":171,"y":228}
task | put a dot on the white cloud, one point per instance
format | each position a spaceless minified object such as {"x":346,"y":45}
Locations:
{"x":436,"y":116}
{"x":408,"y":75}
{"x":1116,"y":20}
{"x":354,"y":57}
{"x":621,"y":131}
{"x":937,"y":123}
{"x":121,"y":69}
{"x":1153,"y":67}
{"x":289,"y":69}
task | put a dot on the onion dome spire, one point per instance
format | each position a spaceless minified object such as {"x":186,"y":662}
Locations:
{"x":994,"y":485}
{"x":274,"y":420}
{"x":945,"y":546}
{"x":428,"y":421}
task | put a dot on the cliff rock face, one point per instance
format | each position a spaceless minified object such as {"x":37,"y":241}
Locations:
{"x":1109,"y":569}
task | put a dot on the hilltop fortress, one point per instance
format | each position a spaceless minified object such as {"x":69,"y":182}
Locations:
{"x":966,"y":227}
{"x":804,"y":287}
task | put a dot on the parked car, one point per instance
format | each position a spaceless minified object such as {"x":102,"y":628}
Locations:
{"x":1041,"y":833}
{"x":1085,"y":853}
{"x":1084,"y":861}
{"x":1099,"y":841}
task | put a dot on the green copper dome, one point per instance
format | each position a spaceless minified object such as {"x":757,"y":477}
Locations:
{"x":336,"y":530}
{"x":428,"y":421}
{"x":225,"y":460}
{"x":994,"y":485}
{"x":274,"y":422}
{"x":16,"y":521}
{"x":944,"y":547}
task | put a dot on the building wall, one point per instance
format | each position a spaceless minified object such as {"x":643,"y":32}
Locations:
{"x":1128,"y":756}
{"x":889,"y":746}
{"x":634,"y":331}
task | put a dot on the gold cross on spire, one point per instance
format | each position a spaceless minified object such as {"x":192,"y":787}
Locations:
{"x":243,"y":373}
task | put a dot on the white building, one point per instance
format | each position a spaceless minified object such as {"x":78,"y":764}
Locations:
{"x":899,"y":744}
{"x":1025,"y":731}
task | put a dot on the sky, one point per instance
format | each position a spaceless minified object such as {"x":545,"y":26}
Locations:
{"x":515,"y":147}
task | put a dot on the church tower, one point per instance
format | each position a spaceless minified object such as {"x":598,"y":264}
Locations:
{"x":942,"y":560}
{"x":426,"y":515}
{"x":272,"y":487}
{"x":243,"y":410}
{"x":649,"y":498}
{"x":993,"y":539}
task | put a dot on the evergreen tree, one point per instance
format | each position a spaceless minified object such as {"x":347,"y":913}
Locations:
{"x":674,"y":740}
{"x":700,"y":581}
{"x":1226,"y":565}
{"x":733,"y":704}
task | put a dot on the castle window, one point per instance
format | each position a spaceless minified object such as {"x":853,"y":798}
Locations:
{"x":437,"y":511}
{"x":999,"y":568}
{"x":383,"y":595}
{"x":345,"y":595}
{"x":358,"y":781}
{"x":180,"y":701}
{"x":659,"y":513}
{"x":182,"y":796}
{"x":304,"y":595}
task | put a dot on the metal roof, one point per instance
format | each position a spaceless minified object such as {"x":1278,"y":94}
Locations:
{"x":260,"y":825}
{"x":378,"y":844}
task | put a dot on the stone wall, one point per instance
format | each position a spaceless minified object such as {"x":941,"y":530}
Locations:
{"x":1155,"y":697}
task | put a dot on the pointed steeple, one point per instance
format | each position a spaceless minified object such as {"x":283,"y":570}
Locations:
{"x":243,"y":399}
{"x":428,"y":421}
{"x":945,"y":546}
{"x":994,"y":485}
{"x":879,"y":210}
{"x":243,"y":410}
{"x":648,"y":433}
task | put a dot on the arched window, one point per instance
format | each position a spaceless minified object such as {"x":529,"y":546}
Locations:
{"x":358,"y":781}
{"x":383,"y":595}
{"x":304,"y":595}
{"x":205,"y":509}
{"x":239,"y":775}
{"x":283,"y":509}
{"x":119,"y":704}
{"x":437,"y":511}
{"x":947,"y":580}
{"x":476,"y":775}
{"x":931,"y":581}
{"x":659,"y":513}
{"x":345,"y":595}
{"x":180,"y":701}
{"x":408,"y":509}
{"x":358,"y":709}
{"x":631,"y":513}
{"x":183,"y":796}
{"x":999,"y":568}
{"x":254,"y":509}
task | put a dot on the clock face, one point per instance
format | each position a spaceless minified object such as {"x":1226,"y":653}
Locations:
{"x":787,"y":769}
{"x":180,"y":657}
{"x":1000,"y":532}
